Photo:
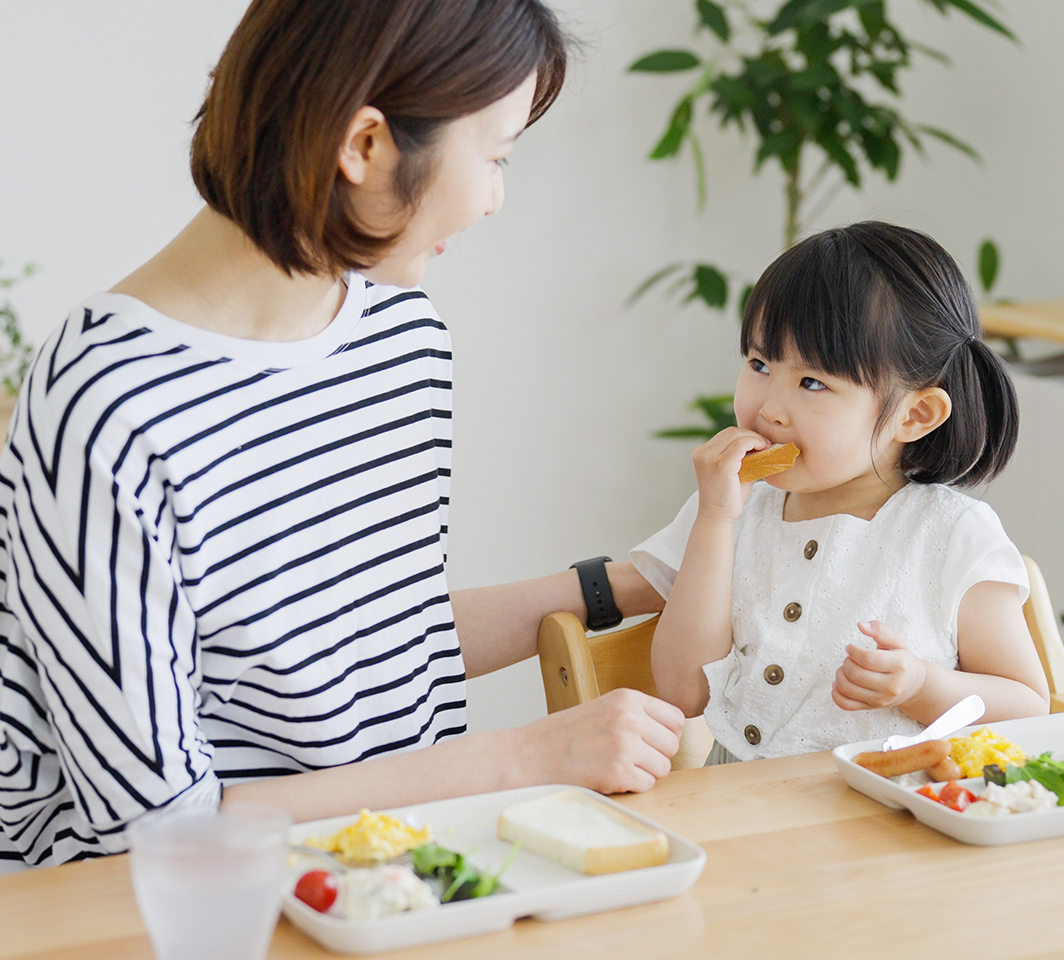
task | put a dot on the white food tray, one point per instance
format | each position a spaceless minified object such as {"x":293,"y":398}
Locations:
{"x":532,"y":886}
{"x":1035,"y":735}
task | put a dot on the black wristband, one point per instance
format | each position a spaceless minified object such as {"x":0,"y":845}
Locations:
{"x":602,"y":611}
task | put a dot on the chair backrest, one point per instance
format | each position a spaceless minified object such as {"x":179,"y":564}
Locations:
{"x":577,"y":668}
{"x":1042,"y":623}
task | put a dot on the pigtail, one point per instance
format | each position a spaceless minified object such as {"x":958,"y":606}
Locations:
{"x":976,"y":443}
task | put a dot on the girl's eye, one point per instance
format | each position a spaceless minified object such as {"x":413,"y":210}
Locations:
{"x":502,"y":162}
{"x":758,"y":366}
{"x":811,"y":383}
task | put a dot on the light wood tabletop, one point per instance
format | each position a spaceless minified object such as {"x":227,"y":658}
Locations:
{"x":1041,"y":321}
{"x":800,"y":866}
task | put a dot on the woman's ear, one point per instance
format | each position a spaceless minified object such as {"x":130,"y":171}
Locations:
{"x":368,"y":148}
{"x":921,"y":412}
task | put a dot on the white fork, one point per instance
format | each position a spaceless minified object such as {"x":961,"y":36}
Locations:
{"x":959,"y":715}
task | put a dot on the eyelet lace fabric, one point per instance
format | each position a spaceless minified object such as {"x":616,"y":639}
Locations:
{"x":908,"y":567}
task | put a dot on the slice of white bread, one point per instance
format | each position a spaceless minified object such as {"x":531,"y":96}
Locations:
{"x":582,"y":833}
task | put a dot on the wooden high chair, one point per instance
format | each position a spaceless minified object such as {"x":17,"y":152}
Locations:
{"x":1042,"y":622}
{"x":577,"y":668}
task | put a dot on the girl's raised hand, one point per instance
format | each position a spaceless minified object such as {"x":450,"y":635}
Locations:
{"x":888,"y":676}
{"x":720,"y":494}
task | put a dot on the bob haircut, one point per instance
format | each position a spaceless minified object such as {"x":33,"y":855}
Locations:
{"x":295,"y":72}
{"x":888,"y":308}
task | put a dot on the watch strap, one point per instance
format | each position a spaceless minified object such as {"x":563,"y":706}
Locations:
{"x":602,"y":611}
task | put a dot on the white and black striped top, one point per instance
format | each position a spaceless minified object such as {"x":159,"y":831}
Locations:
{"x":224,"y":559}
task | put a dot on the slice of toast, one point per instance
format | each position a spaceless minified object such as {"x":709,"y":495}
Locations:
{"x":764,"y":463}
{"x":582,"y":833}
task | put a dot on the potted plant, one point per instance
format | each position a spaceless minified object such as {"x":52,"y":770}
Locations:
{"x":15,"y":352}
{"x":800,"y":76}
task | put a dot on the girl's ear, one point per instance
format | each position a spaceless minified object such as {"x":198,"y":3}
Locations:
{"x":921,"y":412}
{"x":368,"y":148}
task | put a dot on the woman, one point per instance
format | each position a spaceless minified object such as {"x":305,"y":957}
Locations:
{"x":224,"y":498}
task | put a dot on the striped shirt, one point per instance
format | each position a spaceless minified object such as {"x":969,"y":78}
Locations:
{"x":223,"y":559}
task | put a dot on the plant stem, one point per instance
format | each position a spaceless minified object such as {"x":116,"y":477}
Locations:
{"x":793,"y":194}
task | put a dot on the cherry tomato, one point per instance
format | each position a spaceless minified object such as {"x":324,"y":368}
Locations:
{"x":317,"y":889}
{"x":956,"y":797}
{"x":928,"y":791}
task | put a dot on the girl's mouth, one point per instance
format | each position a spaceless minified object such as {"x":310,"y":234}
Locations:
{"x":441,"y":246}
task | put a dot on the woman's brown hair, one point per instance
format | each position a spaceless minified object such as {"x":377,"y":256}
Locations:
{"x":295,"y":72}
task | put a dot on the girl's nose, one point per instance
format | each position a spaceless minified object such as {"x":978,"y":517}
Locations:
{"x":774,"y":411}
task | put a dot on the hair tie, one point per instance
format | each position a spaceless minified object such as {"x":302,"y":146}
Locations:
{"x":971,"y":338}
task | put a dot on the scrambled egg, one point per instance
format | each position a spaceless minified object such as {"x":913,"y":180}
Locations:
{"x":983,"y":747}
{"x":373,"y":838}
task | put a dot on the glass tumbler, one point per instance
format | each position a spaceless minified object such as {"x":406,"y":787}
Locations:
{"x":209,"y":882}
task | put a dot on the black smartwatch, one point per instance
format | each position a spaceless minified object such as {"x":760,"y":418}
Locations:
{"x":602,"y":611}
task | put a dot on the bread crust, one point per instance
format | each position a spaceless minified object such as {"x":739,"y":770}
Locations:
{"x":764,"y":463}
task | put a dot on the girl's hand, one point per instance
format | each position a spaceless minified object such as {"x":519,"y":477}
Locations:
{"x":888,"y":676}
{"x":720,"y":494}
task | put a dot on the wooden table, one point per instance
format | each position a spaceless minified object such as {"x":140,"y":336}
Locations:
{"x":800,"y":866}
{"x":1042,"y":321}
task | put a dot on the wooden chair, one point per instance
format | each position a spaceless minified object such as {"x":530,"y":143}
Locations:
{"x":577,"y":668}
{"x":1042,"y":622}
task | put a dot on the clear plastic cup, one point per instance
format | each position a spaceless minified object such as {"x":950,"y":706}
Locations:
{"x":209,"y":882}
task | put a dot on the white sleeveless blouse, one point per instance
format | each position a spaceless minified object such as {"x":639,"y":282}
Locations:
{"x":799,"y":589}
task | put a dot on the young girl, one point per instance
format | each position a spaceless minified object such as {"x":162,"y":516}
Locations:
{"x":857,"y":594}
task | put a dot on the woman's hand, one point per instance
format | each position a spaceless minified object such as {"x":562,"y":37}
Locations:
{"x":720,"y":494}
{"x":620,"y":742}
{"x":889,"y":676}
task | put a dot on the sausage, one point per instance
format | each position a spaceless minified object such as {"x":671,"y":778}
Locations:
{"x":764,"y":463}
{"x":947,"y":769}
{"x":893,"y":763}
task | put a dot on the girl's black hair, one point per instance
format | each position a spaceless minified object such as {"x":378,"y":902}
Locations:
{"x":888,"y":308}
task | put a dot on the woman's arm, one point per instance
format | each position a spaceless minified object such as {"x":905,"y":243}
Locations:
{"x":499,"y":625}
{"x":998,"y":661}
{"x":620,"y":742}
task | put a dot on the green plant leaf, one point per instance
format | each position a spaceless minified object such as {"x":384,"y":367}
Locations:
{"x":651,"y":281}
{"x":666,"y":61}
{"x":836,"y":150}
{"x":710,"y":285}
{"x":796,"y":12}
{"x":685,"y":433}
{"x":951,"y":140}
{"x":981,"y":16}
{"x":744,"y":298}
{"x":713,"y":16}
{"x":873,"y":17}
{"x":669,"y":144}
{"x":989,"y":261}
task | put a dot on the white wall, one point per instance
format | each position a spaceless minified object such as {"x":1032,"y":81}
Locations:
{"x":558,"y":386}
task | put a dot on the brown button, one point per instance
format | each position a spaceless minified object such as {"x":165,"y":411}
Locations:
{"x":773,"y":674}
{"x":752,"y":734}
{"x":792,"y":612}
{"x":811,"y":549}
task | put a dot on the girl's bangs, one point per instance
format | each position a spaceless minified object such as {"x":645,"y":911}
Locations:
{"x":818,"y":303}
